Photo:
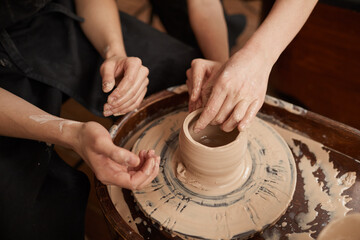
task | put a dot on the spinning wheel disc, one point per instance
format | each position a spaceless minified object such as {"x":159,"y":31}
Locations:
{"x":182,"y":210}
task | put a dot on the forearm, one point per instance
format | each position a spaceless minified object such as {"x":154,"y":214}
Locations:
{"x":284,"y":21}
{"x":21,"y":119}
{"x":102,"y":26}
{"x":208,"y":23}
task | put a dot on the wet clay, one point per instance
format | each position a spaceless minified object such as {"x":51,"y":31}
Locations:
{"x":347,"y":227}
{"x":211,"y":136}
{"x":336,"y":182}
{"x":209,"y":210}
{"x":211,"y":160}
{"x":326,"y":195}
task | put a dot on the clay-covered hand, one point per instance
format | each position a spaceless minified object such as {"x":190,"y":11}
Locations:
{"x":198,"y":77}
{"x":112,"y":164}
{"x":128,"y":79}
{"x":232,"y":93}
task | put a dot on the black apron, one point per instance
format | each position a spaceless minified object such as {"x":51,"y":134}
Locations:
{"x":44,"y":59}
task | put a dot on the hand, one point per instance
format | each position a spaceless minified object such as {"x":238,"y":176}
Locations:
{"x":237,"y":90}
{"x":132,"y":79}
{"x":112,"y":164}
{"x":198,"y":81}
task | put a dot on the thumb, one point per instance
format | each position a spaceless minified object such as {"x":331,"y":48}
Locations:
{"x":107,"y":72}
{"x":120,"y":155}
{"x":125,"y":157}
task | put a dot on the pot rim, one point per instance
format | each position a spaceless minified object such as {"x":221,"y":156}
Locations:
{"x":185,"y":128}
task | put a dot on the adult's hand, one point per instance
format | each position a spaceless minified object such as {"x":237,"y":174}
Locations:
{"x":112,"y":164}
{"x":232,"y":93}
{"x":199,"y":86}
{"x":131,"y":78}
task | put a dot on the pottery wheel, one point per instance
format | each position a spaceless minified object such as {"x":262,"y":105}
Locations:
{"x":249,"y":208}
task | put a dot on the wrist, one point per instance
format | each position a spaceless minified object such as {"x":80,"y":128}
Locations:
{"x":69,"y":133}
{"x":263,"y":54}
{"x":114,"y":49}
{"x":262,"y":50}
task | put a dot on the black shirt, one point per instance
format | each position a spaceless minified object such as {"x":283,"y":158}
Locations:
{"x":12,"y":11}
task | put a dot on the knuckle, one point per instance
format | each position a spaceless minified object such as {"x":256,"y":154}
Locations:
{"x":209,"y":111}
{"x":195,"y":62}
{"x":188,"y":73}
{"x":224,"y":83}
{"x":235,"y":118}
{"x":117,"y":92}
{"x":96,"y":142}
{"x":147,"y":81}
{"x":135,"y":60}
{"x":219,"y":120}
{"x":146,"y":70}
{"x":216,"y":122}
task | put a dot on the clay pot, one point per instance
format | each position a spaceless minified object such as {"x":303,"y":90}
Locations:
{"x":343,"y":228}
{"x":213,"y":157}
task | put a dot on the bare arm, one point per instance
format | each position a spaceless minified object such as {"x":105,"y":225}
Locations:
{"x":102,"y":26}
{"x":284,"y":21}
{"x":232,"y":93}
{"x":21,"y":119}
{"x":208,"y":23}
{"x":111,"y":164}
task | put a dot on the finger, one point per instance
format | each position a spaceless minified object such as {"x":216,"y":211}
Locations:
{"x":129,"y":105}
{"x":189,"y":86}
{"x":198,"y":74}
{"x":225,"y":111}
{"x":153,"y":174}
{"x":139,"y":83}
{"x":211,"y":109}
{"x":131,"y":69}
{"x":196,"y":105}
{"x":128,"y":85}
{"x":235,"y":117}
{"x":107,"y":110}
{"x":121,"y":111}
{"x":107,"y":71}
{"x":142,"y":154}
{"x":137,"y":103}
{"x":117,"y":154}
{"x":250,"y":114}
{"x":151,"y":153}
{"x":140,"y":176}
{"x":192,"y":106}
{"x":189,"y":73}
{"x":110,"y":172}
{"x":132,"y":98}
{"x":189,"y":81}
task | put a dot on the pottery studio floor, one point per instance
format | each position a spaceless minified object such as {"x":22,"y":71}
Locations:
{"x":96,"y":228}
